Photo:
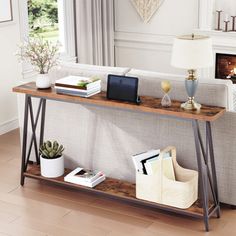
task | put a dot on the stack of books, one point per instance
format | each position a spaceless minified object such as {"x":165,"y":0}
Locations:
{"x":84,"y":177}
{"x":78,"y":86}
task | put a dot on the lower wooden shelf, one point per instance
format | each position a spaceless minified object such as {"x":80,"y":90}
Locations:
{"x":118,"y":189}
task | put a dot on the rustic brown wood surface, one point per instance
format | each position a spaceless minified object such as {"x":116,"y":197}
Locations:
{"x":122,"y":190}
{"x":149,"y":104}
{"x":48,"y":209}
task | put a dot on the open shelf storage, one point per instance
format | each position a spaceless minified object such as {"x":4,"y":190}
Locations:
{"x":122,"y":190}
{"x":118,"y":189}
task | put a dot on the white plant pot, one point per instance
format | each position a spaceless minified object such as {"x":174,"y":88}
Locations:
{"x":43,"y":81}
{"x":52,"y":168}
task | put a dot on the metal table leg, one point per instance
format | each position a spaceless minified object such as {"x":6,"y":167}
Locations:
{"x":213,"y":168}
{"x":34,"y":122}
{"x":202,"y":175}
{"x":207,"y":173}
{"x":24,"y":141}
{"x":42,"y":121}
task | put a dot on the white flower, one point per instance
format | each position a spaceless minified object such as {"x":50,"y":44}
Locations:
{"x":42,"y":54}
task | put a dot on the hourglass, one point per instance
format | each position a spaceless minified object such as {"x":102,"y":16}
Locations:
{"x":166,"y":87}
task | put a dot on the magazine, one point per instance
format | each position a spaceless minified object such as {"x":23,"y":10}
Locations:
{"x":85,"y":177}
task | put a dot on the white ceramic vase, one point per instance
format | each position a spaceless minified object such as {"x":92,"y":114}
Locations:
{"x":52,"y":168}
{"x":43,"y":81}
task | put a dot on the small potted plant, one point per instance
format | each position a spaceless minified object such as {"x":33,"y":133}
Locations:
{"x":42,"y":55}
{"x":51,"y":159}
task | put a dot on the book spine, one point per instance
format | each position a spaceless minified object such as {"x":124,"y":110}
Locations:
{"x":66,"y":92}
{"x":88,"y":86}
{"x":78,"y":90}
{"x":75,"y":180}
{"x":94,"y":84}
{"x":70,"y":86}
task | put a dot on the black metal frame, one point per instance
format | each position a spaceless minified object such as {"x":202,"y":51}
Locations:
{"x":207,"y":173}
{"x":34,"y":122}
{"x":206,"y":169}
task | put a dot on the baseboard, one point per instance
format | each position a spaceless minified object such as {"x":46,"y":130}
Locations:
{"x":9,"y":126}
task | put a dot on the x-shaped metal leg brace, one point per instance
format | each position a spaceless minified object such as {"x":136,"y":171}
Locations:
{"x":29,"y":113}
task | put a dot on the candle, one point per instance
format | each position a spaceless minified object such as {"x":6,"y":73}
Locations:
{"x":232,"y":7}
{"x":218,"y":5}
{"x":226,"y":17}
{"x":232,"y":11}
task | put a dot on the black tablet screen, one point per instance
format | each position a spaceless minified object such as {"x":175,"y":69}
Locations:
{"x":122,"y":88}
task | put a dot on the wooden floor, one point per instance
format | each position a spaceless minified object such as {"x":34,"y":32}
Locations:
{"x":38,"y":209}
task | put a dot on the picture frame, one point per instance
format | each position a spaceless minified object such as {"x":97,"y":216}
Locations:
{"x":6,"y":11}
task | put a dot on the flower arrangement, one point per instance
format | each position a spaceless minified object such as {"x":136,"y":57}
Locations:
{"x":40,"y":53}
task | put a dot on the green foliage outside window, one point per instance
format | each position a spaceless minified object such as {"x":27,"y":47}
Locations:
{"x":43,"y":18}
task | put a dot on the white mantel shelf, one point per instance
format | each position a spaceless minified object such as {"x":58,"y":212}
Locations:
{"x":222,"y":41}
{"x":218,"y":33}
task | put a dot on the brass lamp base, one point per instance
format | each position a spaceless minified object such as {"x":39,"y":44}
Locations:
{"x":191,"y":84}
{"x":191,"y":105}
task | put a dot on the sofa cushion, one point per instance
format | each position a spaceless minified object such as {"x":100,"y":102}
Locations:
{"x":69,"y":68}
{"x":234,"y":97}
{"x":210,"y":92}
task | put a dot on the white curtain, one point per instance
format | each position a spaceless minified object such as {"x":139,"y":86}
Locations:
{"x":95,"y":32}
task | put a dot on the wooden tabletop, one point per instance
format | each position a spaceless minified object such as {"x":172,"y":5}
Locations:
{"x":148,"y":104}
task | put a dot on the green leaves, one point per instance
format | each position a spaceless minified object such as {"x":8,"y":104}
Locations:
{"x":41,"y":13}
{"x":51,"y":150}
{"x":84,"y":83}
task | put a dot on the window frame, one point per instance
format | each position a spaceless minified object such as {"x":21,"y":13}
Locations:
{"x":66,"y":34}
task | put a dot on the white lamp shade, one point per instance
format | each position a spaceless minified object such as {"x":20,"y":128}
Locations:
{"x":192,"y":52}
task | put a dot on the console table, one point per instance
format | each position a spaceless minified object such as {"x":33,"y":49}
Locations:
{"x":115,"y":188}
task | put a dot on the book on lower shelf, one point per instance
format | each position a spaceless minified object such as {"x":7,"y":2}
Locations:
{"x":85,"y":177}
{"x":148,"y":163}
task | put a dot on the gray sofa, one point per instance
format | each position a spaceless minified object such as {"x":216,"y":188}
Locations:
{"x":103,"y":138}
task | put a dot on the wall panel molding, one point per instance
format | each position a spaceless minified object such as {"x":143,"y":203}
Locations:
{"x":145,"y":38}
{"x":148,"y":47}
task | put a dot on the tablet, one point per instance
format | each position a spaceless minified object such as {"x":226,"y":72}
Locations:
{"x":122,"y":88}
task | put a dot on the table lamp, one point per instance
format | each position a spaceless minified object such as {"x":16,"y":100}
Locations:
{"x":192,"y":52}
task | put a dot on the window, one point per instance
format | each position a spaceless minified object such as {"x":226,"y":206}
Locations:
{"x":43,"y":19}
{"x":52,"y":19}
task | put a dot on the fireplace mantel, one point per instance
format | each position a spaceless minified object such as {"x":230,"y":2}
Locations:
{"x":223,"y":42}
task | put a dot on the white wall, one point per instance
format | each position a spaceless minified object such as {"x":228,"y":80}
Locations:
{"x":148,"y":46}
{"x":10,"y":72}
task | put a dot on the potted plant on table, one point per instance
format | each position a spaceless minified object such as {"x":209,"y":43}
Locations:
{"x":42,"y":55}
{"x":51,"y":159}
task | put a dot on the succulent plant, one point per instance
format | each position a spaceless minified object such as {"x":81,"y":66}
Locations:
{"x":51,"y":150}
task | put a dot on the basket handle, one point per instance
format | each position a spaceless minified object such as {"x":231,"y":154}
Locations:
{"x":170,"y":149}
